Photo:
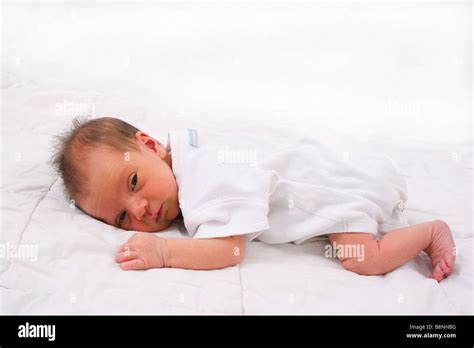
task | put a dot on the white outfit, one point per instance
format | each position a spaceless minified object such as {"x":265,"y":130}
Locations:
{"x":280,"y":187}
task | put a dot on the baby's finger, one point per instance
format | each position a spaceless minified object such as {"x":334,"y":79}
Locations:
{"x":126,"y":255}
{"x":135,"y":264}
{"x":125,"y":247}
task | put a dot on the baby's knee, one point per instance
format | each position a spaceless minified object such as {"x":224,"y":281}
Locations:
{"x":367,"y":260}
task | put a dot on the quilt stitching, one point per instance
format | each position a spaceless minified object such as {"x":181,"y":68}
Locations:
{"x":34,"y":210}
{"x":241,"y":291}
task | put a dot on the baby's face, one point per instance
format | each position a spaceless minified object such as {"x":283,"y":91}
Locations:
{"x":133,"y":190}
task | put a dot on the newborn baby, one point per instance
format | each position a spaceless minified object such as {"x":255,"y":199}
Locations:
{"x":231,"y":188}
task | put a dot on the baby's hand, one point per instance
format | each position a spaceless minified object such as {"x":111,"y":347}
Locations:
{"x":142,"y":251}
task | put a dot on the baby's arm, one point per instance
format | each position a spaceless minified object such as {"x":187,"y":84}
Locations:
{"x":144,"y":250}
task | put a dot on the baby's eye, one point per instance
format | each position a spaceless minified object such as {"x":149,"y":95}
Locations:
{"x":134,"y":181}
{"x":121,"y":218}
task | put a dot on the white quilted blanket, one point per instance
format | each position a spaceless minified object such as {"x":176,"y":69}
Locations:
{"x":65,"y":259}
{"x":388,"y":73}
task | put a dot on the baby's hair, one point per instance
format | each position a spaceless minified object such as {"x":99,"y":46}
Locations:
{"x":76,"y":143}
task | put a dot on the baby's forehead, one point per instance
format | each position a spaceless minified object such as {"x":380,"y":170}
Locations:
{"x":99,"y":161}
{"x":104,"y":171}
{"x":101,"y":153}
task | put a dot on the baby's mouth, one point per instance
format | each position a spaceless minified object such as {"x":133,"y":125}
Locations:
{"x":158,"y":213}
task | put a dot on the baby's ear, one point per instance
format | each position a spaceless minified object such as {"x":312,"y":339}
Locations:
{"x":150,"y":143}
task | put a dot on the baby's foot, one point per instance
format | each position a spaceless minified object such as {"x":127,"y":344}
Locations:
{"x":441,"y":250}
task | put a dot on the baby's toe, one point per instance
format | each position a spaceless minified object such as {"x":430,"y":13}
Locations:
{"x":443,"y":265}
{"x":438,"y":273}
{"x":449,"y":261}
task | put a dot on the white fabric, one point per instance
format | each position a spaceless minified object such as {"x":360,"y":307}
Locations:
{"x":283,"y":187}
{"x":387,"y":73}
{"x":73,"y":271}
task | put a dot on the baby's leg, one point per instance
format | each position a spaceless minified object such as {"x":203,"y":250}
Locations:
{"x":399,"y":246}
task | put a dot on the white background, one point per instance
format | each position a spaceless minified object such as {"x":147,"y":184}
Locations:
{"x":395,"y":69}
{"x":399,"y":71}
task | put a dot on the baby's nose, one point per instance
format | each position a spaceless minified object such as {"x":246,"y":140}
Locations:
{"x":140,"y":209}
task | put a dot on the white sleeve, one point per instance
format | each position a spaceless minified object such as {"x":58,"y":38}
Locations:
{"x":219,"y":199}
{"x":228,"y":217}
